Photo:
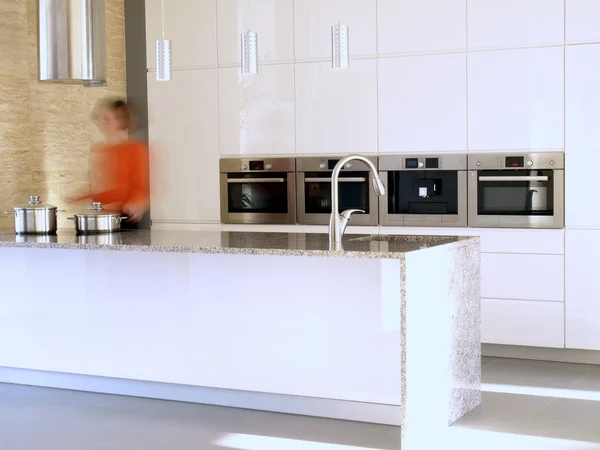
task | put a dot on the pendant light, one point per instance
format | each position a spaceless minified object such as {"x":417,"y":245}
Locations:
{"x":163,"y":51}
{"x":249,"y":56}
{"x":249,"y":41}
{"x":340,"y":57}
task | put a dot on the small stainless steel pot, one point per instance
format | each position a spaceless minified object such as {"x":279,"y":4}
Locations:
{"x":35,"y":218}
{"x":97,"y":221}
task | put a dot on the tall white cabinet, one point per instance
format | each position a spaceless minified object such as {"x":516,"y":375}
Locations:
{"x":312,"y":27}
{"x":423,"y":103}
{"x":272,"y":20}
{"x":582,"y":21}
{"x":516,"y":99}
{"x":421,"y":26}
{"x":496,"y":24}
{"x":184,"y":136}
{"x":336,"y":110}
{"x":583,"y":133}
{"x":583,"y":290}
{"x":582,"y":217}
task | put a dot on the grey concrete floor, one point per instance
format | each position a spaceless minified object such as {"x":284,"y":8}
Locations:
{"x":526,"y":405}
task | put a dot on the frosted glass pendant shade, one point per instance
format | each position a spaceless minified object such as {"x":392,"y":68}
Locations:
{"x":163,"y":60}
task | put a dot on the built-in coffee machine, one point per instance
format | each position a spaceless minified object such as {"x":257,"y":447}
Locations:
{"x":424,"y":190}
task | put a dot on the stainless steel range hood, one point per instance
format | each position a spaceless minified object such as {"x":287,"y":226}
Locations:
{"x":72,"y":42}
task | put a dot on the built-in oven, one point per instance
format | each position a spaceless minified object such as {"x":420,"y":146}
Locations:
{"x":424,"y":190}
{"x":355,"y":191}
{"x":258,"y":191}
{"x":524,"y":190}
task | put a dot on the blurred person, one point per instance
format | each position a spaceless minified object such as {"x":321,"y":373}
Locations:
{"x":119,"y":166}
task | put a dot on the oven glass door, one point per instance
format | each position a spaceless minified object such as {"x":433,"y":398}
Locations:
{"x":257,"y":193}
{"x":353,"y":191}
{"x":515,"y":193}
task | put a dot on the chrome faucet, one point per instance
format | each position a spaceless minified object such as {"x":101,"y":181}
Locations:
{"x":338,"y":222}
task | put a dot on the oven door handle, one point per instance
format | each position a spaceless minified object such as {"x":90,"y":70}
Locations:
{"x":341,"y":180}
{"x":523,"y":178}
{"x":254,"y":180}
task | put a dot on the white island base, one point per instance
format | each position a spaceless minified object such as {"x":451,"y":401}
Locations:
{"x":382,"y":332}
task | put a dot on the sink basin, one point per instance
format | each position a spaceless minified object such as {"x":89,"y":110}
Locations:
{"x":429,"y":240}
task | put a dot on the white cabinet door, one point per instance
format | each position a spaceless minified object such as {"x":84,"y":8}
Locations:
{"x":520,"y":241}
{"x":421,"y":26}
{"x":313,"y":20}
{"x":272,"y":20}
{"x":184,"y":135}
{"x":516,"y":99}
{"x":518,"y":322}
{"x":191,"y":25}
{"x":583,"y":133}
{"x":583,"y":289}
{"x":515,"y":23}
{"x":256,"y":112}
{"x":423,"y":103}
{"x":583,"y":17}
{"x":527,"y":277}
{"x":336,"y":110}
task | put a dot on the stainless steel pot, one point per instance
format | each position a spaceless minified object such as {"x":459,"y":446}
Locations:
{"x":97,"y":221}
{"x":35,"y":217}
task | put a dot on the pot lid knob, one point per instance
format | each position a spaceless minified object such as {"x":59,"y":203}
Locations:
{"x":34,"y":200}
{"x":97,"y":206}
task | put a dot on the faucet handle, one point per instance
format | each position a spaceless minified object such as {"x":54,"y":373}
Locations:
{"x":347,"y":213}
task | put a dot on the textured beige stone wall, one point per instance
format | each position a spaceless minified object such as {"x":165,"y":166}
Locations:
{"x":45,"y":130}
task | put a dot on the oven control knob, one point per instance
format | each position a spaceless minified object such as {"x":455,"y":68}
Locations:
{"x":551,"y":163}
{"x":421,"y":164}
{"x":244,"y":166}
{"x":321,"y":166}
{"x":478,"y":163}
{"x":348,"y":165}
{"x":268,"y":166}
{"x":530,"y":163}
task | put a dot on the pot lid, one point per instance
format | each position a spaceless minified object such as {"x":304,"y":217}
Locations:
{"x":34,"y":203}
{"x":98,"y":210}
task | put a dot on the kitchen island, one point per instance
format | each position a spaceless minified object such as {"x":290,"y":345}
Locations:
{"x":384,"y":329}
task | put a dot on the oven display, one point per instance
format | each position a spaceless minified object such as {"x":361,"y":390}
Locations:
{"x":257,"y":165}
{"x":411,"y":163}
{"x":332,"y":163}
{"x":515,"y":161}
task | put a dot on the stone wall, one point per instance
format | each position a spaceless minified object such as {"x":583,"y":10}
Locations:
{"x":45,"y":130}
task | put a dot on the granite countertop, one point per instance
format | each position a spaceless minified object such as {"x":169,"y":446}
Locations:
{"x":283,"y":244}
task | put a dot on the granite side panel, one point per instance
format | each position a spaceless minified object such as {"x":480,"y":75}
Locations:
{"x":465,"y":360}
{"x":441,"y":347}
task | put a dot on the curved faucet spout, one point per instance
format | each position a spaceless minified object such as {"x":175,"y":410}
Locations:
{"x":338,"y":222}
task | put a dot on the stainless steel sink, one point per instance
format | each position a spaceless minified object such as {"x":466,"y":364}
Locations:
{"x":436,"y":240}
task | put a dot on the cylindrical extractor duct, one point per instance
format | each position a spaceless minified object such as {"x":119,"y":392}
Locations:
{"x":72,"y":41}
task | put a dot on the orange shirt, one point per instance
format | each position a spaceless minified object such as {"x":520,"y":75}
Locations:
{"x":122,"y":171}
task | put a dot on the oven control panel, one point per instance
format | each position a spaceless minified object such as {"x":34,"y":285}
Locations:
{"x":534,"y":161}
{"x":237,"y":165}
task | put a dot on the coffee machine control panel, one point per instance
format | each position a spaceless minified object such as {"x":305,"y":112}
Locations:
{"x":422,"y":163}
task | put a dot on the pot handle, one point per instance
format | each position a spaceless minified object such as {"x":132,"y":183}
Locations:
{"x":70,"y":218}
{"x":9,"y":213}
{"x":124,"y":218}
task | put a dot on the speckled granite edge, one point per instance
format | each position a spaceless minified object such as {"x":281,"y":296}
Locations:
{"x":365,"y":254}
